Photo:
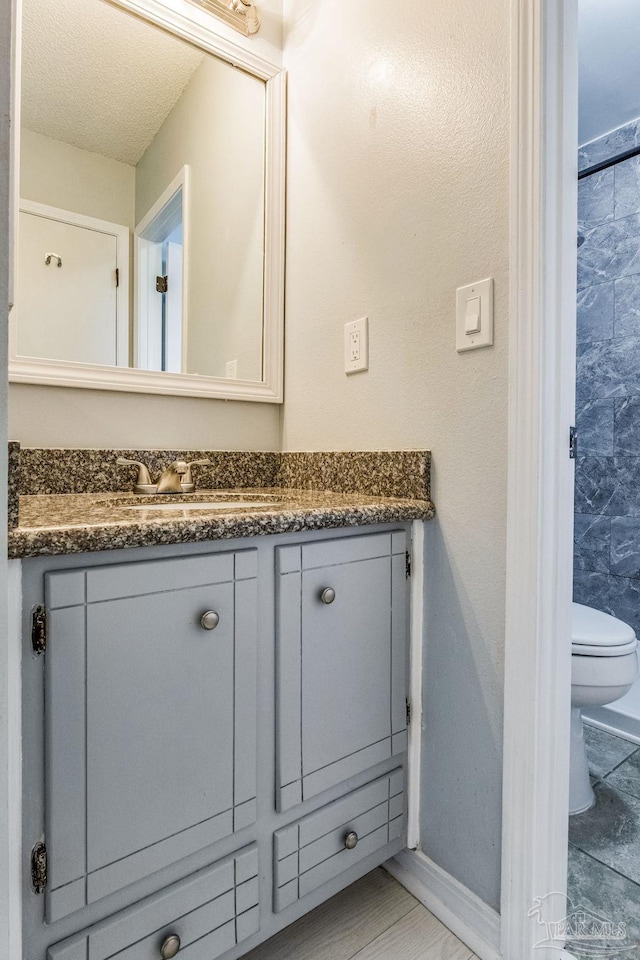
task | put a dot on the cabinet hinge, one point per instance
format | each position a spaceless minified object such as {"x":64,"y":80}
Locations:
{"x":117,"y":276}
{"x":573,"y":442}
{"x":39,"y":867}
{"x":407,"y":704}
{"x":162,"y":284}
{"x":407,"y":564}
{"x":39,"y":629}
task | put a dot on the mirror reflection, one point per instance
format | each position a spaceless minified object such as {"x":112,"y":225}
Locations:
{"x":141,"y":226}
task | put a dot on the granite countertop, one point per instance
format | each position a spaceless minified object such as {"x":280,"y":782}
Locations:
{"x":54,"y":524}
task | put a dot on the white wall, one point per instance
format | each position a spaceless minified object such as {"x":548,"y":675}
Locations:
{"x":48,"y":416}
{"x":217,"y":128}
{"x":59,"y":417}
{"x":609,"y":73}
{"x":397,"y":194}
{"x":65,"y":176}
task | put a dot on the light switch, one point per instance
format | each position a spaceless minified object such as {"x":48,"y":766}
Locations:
{"x":474,"y":315}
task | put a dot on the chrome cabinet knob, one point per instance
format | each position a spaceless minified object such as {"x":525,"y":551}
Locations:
{"x":170,"y":947}
{"x":328,"y":595}
{"x":209,"y":621}
{"x":351,"y":840}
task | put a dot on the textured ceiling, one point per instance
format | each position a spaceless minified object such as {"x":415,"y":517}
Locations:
{"x":97,"y":78}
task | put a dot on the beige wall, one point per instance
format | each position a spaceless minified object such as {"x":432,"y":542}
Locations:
{"x":59,"y":417}
{"x":397,"y":194}
{"x":65,"y":176}
{"x":217,"y":129}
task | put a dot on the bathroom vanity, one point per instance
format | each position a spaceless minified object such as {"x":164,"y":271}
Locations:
{"x":214,"y":732}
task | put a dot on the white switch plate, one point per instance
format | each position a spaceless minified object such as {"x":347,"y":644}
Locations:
{"x":356,"y":345}
{"x":466,"y":307}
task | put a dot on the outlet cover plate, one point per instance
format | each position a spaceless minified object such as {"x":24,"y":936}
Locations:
{"x":356,"y":345}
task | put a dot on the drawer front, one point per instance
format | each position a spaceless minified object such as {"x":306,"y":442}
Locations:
{"x":341,"y":661}
{"x":209,"y":912}
{"x":319,"y":847}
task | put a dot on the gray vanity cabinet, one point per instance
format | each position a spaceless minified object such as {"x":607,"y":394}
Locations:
{"x":150,"y":718}
{"x":222,"y":740}
{"x":341,"y":648}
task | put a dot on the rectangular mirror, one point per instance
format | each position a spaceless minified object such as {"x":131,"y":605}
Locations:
{"x":150,"y":253}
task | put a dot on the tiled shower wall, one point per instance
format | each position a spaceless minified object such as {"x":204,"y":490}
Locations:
{"x":607,"y":489}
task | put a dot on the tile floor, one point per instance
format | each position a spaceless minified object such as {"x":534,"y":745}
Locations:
{"x":604,"y":846}
{"x":377,"y":919}
{"x":374,"y":919}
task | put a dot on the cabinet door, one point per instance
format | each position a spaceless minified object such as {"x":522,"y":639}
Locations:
{"x":150,"y":718}
{"x":342,"y":664}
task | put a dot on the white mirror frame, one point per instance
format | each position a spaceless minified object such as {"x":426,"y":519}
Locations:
{"x":188,"y":22}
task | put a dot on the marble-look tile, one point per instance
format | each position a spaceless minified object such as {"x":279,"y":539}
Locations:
{"x":601,"y":891}
{"x":595,"y":485}
{"x":625,"y":547}
{"x":592,"y":542}
{"x":605,"y":751}
{"x":626,"y":321}
{"x":596,"y":199}
{"x":626,"y":777}
{"x":619,"y":596}
{"x":594,"y":420}
{"x":608,"y":368}
{"x":609,"y":251}
{"x":627,"y":188}
{"x":610,"y":831}
{"x":626,"y":427}
{"x":610,"y":146}
{"x":595,"y":316}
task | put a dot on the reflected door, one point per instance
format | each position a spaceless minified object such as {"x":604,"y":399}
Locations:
{"x":68,"y":292}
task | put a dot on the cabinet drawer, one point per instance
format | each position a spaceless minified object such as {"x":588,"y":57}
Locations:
{"x":210,"y":912}
{"x":315,"y":849}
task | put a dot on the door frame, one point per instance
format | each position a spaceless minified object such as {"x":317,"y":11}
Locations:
{"x":540,"y":473}
{"x":143,"y":307}
{"x":121,"y":235}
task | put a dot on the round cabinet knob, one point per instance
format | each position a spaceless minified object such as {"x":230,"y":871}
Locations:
{"x":328,"y":595}
{"x":170,"y":947}
{"x":351,"y":840}
{"x":208,"y":621}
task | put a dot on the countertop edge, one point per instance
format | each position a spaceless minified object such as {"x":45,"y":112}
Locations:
{"x":25,"y":542}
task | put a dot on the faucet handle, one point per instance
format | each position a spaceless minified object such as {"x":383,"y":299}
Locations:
{"x":143,"y":472}
{"x":188,"y":478}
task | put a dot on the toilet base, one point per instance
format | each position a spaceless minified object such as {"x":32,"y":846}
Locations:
{"x":581,"y":795}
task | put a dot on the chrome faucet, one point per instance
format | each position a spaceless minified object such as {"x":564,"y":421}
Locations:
{"x":176,"y":478}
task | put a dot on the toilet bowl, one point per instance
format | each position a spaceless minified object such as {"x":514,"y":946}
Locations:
{"x":604,"y":665}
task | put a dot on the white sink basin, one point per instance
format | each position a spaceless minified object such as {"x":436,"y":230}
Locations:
{"x":202,"y":505}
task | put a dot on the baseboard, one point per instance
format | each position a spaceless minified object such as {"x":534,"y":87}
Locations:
{"x":465,"y":914}
{"x":612,"y":721}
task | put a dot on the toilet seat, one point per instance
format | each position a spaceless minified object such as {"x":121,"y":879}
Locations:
{"x":597,"y":634}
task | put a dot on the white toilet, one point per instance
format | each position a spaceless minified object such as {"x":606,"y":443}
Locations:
{"x":604,"y":665}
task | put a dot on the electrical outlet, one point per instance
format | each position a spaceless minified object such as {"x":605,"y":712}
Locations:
{"x":231,"y":370}
{"x":356,"y":346}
